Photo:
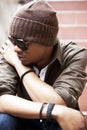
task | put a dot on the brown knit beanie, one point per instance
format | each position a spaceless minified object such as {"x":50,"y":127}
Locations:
{"x":35,"y":22}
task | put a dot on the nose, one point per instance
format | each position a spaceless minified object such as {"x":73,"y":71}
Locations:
{"x":17,"y":49}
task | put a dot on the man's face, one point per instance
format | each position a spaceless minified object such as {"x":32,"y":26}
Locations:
{"x":35,"y":54}
{"x":32,"y":53}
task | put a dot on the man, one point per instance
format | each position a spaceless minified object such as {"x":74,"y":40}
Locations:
{"x":43,"y":77}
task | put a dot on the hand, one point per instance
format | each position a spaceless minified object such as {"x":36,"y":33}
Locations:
{"x":9,"y":54}
{"x":70,"y":119}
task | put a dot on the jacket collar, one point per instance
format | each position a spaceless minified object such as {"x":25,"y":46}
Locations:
{"x":57,"y":53}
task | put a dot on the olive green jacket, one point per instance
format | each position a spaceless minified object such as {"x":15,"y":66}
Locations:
{"x":66,"y":74}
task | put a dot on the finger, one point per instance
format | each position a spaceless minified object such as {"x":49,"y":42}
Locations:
{"x":4,"y":46}
{"x":9,"y":43}
{"x":1,"y":51}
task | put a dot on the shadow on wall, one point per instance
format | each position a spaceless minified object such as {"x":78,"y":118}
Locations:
{"x":7,"y":9}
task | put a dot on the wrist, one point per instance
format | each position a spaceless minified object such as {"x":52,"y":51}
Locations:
{"x":21,"y":69}
{"x":46,"y":112}
{"x":49,"y":117}
{"x":17,"y":64}
{"x":57,"y":112}
{"x":23,"y":75}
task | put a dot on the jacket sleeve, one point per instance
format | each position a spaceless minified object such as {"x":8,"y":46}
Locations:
{"x":8,"y":78}
{"x":70,"y":84}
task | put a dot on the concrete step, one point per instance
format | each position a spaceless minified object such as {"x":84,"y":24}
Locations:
{"x":63,"y":5}
{"x":72,"y":17}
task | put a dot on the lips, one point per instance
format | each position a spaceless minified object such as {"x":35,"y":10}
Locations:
{"x":21,"y":57}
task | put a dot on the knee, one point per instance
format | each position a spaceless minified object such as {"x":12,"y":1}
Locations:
{"x":7,"y":122}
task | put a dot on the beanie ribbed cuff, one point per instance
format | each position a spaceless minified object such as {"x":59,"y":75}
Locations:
{"x":33,"y":31}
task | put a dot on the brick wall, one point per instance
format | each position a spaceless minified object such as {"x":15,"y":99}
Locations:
{"x":72,"y":16}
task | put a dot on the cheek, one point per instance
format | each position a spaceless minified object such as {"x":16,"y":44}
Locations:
{"x":31,"y":57}
{"x":34,"y":55}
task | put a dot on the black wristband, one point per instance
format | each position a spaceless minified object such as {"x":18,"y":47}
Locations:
{"x":21,"y":78}
{"x":41,"y":109}
{"x":49,"y":110}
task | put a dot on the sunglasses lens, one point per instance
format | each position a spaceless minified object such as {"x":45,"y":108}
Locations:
{"x":21,"y":45}
{"x":18,"y":42}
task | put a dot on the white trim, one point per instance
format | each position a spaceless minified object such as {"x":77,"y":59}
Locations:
{"x":73,"y":25}
{"x":75,"y":40}
{"x":71,"y":12}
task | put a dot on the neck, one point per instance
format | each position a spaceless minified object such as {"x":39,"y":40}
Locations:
{"x":46,"y":58}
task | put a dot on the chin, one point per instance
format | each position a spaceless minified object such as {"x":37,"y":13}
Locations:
{"x":24,"y":63}
{"x":28,"y":64}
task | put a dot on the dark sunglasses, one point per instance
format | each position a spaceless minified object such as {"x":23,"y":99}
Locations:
{"x":19,"y":42}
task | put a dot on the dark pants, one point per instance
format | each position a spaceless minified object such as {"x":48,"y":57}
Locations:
{"x":8,"y":122}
